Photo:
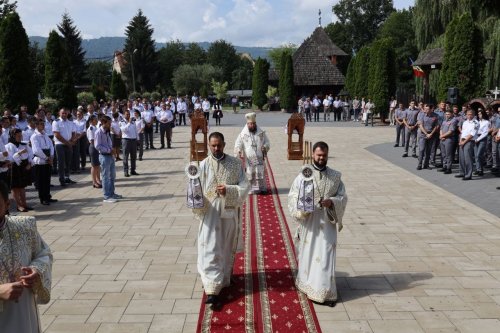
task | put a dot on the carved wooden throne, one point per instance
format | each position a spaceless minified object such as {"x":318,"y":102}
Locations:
{"x":296,"y":125}
{"x":199,"y":149}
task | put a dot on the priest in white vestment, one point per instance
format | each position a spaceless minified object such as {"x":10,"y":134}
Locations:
{"x":224,"y":188}
{"x":317,"y":201}
{"x":253,"y":144}
{"x":25,"y":271}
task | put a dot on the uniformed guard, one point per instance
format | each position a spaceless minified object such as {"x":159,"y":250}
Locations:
{"x":399,"y":117}
{"x":447,"y":142}
{"x":410,"y":121}
{"x":428,"y":125}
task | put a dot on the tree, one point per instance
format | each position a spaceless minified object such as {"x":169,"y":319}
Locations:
{"x":99,"y":72}
{"x":7,"y":8}
{"x":361,"y":72}
{"x":381,"y":75}
{"x":169,"y":58}
{"x":223,"y":54}
{"x":259,"y":82}
{"x":73,"y":41}
{"x":140,"y":51}
{"x":242,"y":76}
{"x":463,"y":60}
{"x":37,"y":59}
{"x":194,"y":55}
{"x":287,"y":96}
{"x":276,"y":54}
{"x":399,"y":30}
{"x":219,"y":89}
{"x":17,"y":85}
{"x":350,"y":79}
{"x":189,"y":78}
{"x":118,"y":88}
{"x":362,"y":19}
{"x":58,"y":77}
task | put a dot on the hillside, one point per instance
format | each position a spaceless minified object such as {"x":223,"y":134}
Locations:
{"x":105,"y":47}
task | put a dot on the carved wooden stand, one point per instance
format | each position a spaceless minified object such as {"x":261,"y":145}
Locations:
{"x":199,"y":150}
{"x":296,"y":125}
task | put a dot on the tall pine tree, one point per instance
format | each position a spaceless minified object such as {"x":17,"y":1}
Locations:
{"x":17,"y":84}
{"x":73,"y":41}
{"x":140,"y":51}
{"x":58,"y":77}
{"x":6,"y":7}
{"x":259,"y":82}
{"x":287,"y":96}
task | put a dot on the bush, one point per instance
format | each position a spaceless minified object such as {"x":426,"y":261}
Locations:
{"x":50,"y":104}
{"x":85,"y":98}
{"x":155,"y":96}
{"x":134,"y":95}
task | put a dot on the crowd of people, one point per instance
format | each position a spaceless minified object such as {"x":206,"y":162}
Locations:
{"x":466,"y":137}
{"x":343,"y":108}
{"x":35,"y":146}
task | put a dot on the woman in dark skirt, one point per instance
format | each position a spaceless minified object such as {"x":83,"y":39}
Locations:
{"x":21,"y":157}
{"x":95,"y":169}
{"x":217,"y":115}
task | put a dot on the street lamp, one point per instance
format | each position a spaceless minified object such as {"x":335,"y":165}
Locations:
{"x":132,"y":68}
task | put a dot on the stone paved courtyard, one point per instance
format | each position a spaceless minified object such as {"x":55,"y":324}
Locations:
{"x":412,"y":257}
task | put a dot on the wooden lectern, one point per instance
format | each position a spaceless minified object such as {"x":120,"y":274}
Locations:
{"x":199,"y":150}
{"x":296,"y":125}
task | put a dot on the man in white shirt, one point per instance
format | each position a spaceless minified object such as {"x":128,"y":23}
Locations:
{"x":205,"y":106}
{"x":327,"y":108}
{"x":466,"y":146}
{"x":149,"y":117}
{"x":166,"y":119}
{"x":22,"y":118}
{"x":64,"y":136}
{"x":79,"y":158}
{"x":43,"y":152}
{"x":129,"y":143}
{"x":182,"y":110}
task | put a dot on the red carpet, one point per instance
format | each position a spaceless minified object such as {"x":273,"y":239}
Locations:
{"x":263,"y":297}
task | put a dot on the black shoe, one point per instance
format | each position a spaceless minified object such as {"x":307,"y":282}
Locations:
{"x":134,"y":173}
{"x":441,"y":170}
{"x":212,"y":299}
{"x":52,"y":200}
{"x":466,"y":178}
{"x":162,"y":147}
{"x":419,"y":167}
{"x":447,"y":171}
{"x":169,"y":147}
{"x":140,"y":158}
{"x":153,"y":147}
{"x":69,"y":181}
{"x":127,"y":175}
{"x":475,"y":173}
{"x":414,"y":156}
{"x":494,"y":170}
{"x":405,"y":155}
{"x":459,"y":176}
{"x":438,"y":165}
{"x":396,"y":145}
{"x":426,"y":167}
{"x":480,"y":173}
{"x":146,"y":148}
{"x":45,"y":203}
{"x":63,"y":184}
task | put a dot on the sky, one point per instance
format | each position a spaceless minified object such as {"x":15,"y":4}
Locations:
{"x":267,"y":23}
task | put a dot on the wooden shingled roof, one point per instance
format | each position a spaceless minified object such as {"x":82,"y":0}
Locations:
{"x":312,"y":62}
{"x":430,"y":57}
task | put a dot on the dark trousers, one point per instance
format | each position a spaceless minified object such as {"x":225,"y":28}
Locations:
{"x":42,"y":176}
{"x":467,"y":159}
{"x":79,"y":154}
{"x":165,"y":131}
{"x":140,"y":144}
{"x":337,"y":114}
{"x":308,"y":115}
{"x":434,"y":147}
{"x":157,"y":125}
{"x":400,"y":133}
{"x":207,"y":116}
{"x":129,"y":147}
{"x":447,"y":152}
{"x":148,"y":136}
{"x":182,"y":118}
{"x":64,"y":154}
{"x":316,"y":114}
{"x":424,"y":150}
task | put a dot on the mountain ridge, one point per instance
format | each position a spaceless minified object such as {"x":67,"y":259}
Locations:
{"x":103,"y":48}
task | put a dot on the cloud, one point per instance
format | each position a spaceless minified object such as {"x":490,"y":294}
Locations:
{"x":241,"y":22}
